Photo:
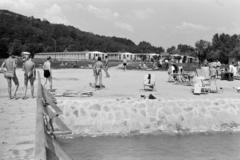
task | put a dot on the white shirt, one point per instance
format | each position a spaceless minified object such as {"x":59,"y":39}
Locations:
{"x":47,"y":65}
{"x":233,"y":69}
{"x":172,"y":69}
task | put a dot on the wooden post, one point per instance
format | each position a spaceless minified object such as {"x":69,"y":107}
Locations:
{"x":40,"y":139}
{"x":43,"y":140}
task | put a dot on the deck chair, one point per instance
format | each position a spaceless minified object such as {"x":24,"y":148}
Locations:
{"x":205,"y":73}
{"x":188,"y":77}
{"x":149,"y":82}
{"x":199,"y":87}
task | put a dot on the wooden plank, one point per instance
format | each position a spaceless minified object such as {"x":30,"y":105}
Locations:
{"x":51,"y":112}
{"x":50,"y":100}
{"x":60,"y":124}
{"x":62,"y":132}
{"x":61,"y":154}
{"x":40,"y":139}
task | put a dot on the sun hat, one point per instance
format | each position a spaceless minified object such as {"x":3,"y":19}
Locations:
{"x":26,"y":53}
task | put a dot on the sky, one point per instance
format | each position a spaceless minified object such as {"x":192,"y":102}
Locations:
{"x":163,"y":23}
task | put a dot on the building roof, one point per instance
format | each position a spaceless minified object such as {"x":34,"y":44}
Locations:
{"x":165,"y":54}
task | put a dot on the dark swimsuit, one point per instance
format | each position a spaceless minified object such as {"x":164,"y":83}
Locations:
{"x":46,"y":73}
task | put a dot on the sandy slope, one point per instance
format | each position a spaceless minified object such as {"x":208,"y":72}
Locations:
{"x":17,"y":117}
{"x":17,"y":123}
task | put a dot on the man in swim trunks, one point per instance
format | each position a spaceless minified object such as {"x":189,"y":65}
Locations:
{"x":47,"y":72}
{"x":97,"y":71}
{"x":10,"y":74}
{"x":124,"y":63}
{"x":29,"y":74}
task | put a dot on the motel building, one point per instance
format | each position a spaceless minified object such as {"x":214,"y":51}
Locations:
{"x":71,"y":56}
{"x":92,"y":55}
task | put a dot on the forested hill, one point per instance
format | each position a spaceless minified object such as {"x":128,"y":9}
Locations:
{"x":20,"y":33}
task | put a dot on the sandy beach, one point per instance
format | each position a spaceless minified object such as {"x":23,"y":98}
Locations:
{"x":17,"y":117}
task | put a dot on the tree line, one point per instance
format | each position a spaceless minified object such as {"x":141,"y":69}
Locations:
{"x":20,"y":33}
{"x":220,"y":48}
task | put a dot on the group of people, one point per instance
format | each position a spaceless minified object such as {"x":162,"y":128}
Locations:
{"x":175,"y":73}
{"x":9,"y":66}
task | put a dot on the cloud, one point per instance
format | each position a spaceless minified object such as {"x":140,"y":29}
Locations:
{"x":55,"y":15}
{"x":124,"y":26}
{"x":17,"y":4}
{"x":233,"y":28}
{"x":192,"y":26}
{"x":104,"y":13}
{"x":143,"y":13}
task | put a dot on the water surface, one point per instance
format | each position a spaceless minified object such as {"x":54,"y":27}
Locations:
{"x":223,"y":146}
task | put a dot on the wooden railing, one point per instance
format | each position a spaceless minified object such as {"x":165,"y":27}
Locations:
{"x":46,"y":144}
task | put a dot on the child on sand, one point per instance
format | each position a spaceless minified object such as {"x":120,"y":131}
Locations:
{"x":10,"y":74}
{"x":97,"y":71}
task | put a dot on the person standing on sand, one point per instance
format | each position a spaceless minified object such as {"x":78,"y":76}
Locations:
{"x":124,"y":63}
{"x":47,"y":72}
{"x":106,"y":66}
{"x":29,"y":75}
{"x":10,"y":74}
{"x":97,"y":71}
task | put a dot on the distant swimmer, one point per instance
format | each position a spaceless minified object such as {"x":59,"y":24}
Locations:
{"x":47,"y":72}
{"x":106,"y":65}
{"x":9,"y":68}
{"x":124,"y":63}
{"x":97,"y":71}
{"x":29,"y":75}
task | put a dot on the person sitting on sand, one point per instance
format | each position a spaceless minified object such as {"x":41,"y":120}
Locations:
{"x":10,"y":74}
{"x":106,"y":66}
{"x":97,"y":71}
{"x":29,"y":75}
{"x":124,"y":63}
{"x":47,"y":72}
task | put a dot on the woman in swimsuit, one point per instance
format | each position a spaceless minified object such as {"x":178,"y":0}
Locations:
{"x":47,"y":72}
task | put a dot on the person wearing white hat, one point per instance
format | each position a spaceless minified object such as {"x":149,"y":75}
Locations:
{"x":29,"y":74}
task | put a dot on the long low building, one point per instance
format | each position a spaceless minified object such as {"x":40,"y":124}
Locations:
{"x":117,"y":56}
{"x":92,"y":55}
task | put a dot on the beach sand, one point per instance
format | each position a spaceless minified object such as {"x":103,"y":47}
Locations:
{"x":17,"y":117}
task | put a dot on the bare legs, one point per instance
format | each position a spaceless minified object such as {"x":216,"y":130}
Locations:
{"x":9,"y":81}
{"x":32,"y":90}
{"x":106,"y":71}
{"x":25,"y":92}
{"x":98,"y":78}
{"x":50,"y":82}
{"x":15,"y":92}
{"x":26,"y":86}
{"x":125,"y":67}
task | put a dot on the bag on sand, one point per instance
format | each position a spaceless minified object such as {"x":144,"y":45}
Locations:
{"x":9,"y":74}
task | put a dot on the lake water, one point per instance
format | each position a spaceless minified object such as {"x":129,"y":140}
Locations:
{"x":221,"y":146}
